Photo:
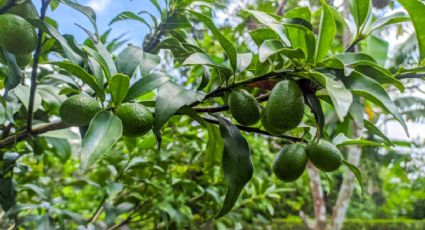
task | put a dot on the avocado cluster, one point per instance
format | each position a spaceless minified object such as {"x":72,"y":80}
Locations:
{"x":291,"y":161}
{"x":17,"y":35}
{"x":79,"y":110}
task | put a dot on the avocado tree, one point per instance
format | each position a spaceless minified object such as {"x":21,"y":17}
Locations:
{"x":290,"y":70}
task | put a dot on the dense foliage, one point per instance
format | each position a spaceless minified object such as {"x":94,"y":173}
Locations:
{"x":182,"y":131}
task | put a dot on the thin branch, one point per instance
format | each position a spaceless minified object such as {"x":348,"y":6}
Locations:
{"x":257,"y":130}
{"x":411,"y":76}
{"x":221,"y":108}
{"x":34,"y":73}
{"x":281,"y":7}
{"x":10,"y":140}
{"x":9,"y":4}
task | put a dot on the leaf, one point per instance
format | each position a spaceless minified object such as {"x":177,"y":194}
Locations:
{"x":301,"y":36}
{"x":236,"y":163}
{"x":262,"y":34}
{"x":378,"y":49}
{"x":104,"y":130}
{"x":14,"y":73}
{"x":356,"y":111}
{"x":87,"y":11}
{"x":370,"y":89}
{"x":346,"y":60}
{"x":342,"y":140}
{"x":377,"y":73}
{"x":132,"y":57}
{"x":416,"y":9}
{"x":327,"y":30}
{"x":22,"y":92}
{"x":7,"y":193}
{"x":106,"y":57}
{"x":214,"y":146}
{"x":119,"y":85}
{"x":375,"y":130}
{"x":228,"y":47}
{"x":201,"y":59}
{"x":273,"y":24}
{"x":361,"y":10}
{"x":340,"y":96}
{"x":397,"y":17}
{"x":330,"y":182}
{"x":271,"y":47}
{"x":129,"y":15}
{"x":299,"y":12}
{"x":83,"y":75}
{"x":244,"y":60}
{"x":356,"y":173}
{"x":74,"y":57}
{"x":171,"y":98}
{"x":62,"y":147}
{"x":146,"y":84}
{"x":314,"y":104}
{"x":101,"y":61}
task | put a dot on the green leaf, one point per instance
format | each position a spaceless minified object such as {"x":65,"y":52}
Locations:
{"x":378,"y":49}
{"x":87,"y":11}
{"x":262,"y":34}
{"x":100,"y":59}
{"x":22,"y":92}
{"x":236,"y":163}
{"x":356,"y":111}
{"x":345,"y":60}
{"x":201,"y":59}
{"x":171,"y":97}
{"x":361,"y":11}
{"x":356,"y":173}
{"x":126,"y":15}
{"x":330,"y":182}
{"x":302,"y":37}
{"x":273,"y":24}
{"x":397,"y":17}
{"x":132,"y":57}
{"x":244,"y":60}
{"x":299,"y":12}
{"x":377,"y":73}
{"x":73,"y":56}
{"x":214,"y":146}
{"x":271,"y":47}
{"x":228,"y":47}
{"x":342,"y":140}
{"x":313,"y":102}
{"x":104,"y":130}
{"x":62,"y":147}
{"x":416,"y":9}
{"x":119,"y":85}
{"x":327,"y":30}
{"x":83,"y":75}
{"x":14,"y":73}
{"x":340,"y":96}
{"x":374,"y":130}
{"x":373,"y":91}
{"x":146,"y":84}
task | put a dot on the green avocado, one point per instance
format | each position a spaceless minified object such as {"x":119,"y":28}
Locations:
{"x":324,"y":155}
{"x":290,"y":162}
{"x":136,"y":119}
{"x":21,"y":60}
{"x":25,"y":9}
{"x":285,"y":107}
{"x":16,"y":34}
{"x":244,"y":107}
{"x":78,"y":110}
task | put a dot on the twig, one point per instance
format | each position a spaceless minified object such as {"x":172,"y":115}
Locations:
{"x":281,"y":8}
{"x":44,"y":6}
{"x":215,"y":109}
{"x":256,"y":130}
{"x":9,"y":4}
{"x":411,"y":76}
{"x":10,"y":140}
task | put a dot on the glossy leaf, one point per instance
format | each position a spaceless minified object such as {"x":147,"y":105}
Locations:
{"x":360,"y":10}
{"x":302,"y":37}
{"x":104,"y":130}
{"x":342,"y":140}
{"x":83,"y":75}
{"x":377,"y":73}
{"x":244,"y":60}
{"x":327,"y":30}
{"x":236,"y":163}
{"x":14,"y":73}
{"x":87,"y":11}
{"x":370,"y":89}
{"x":375,"y":130}
{"x":126,"y":15}
{"x":22,"y":92}
{"x":119,"y":85}
{"x":132,"y":57}
{"x":171,"y":97}
{"x":271,"y":47}
{"x":340,"y":96}
{"x":416,"y":9}
{"x":397,"y":17}
{"x":201,"y":59}
{"x":146,"y":84}
{"x":356,"y":173}
{"x":273,"y":24}
{"x":228,"y":47}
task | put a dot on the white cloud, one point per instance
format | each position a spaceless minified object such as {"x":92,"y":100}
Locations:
{"x":99,"y":5}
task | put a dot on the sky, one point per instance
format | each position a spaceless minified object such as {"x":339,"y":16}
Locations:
{"x":105,"y":11}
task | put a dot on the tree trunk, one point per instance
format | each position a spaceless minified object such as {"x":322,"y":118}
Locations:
{"x":318,"y":199}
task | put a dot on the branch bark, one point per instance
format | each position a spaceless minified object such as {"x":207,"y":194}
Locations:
{"x":318,"y":197}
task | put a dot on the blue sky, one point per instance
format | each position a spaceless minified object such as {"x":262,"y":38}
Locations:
{"x":105,"y":11}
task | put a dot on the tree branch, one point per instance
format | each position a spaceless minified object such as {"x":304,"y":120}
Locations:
{"x":221,"y":108}
{"x":34,"y":73}
{"x":10,"y":140}
{"x":257,"y":130}
{"x":411,"y":76}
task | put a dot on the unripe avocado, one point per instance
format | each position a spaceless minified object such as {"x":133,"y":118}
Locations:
{"x":290,"y":162}
{"x":136,"y":119}
{"x":285,"y":107}
{"x":25,"y":9}
{"x":78,"y":110}
{"x":324,"y":155}
{"x":16,"y":34}
{"x":270,"y":127}
{"x":244,"y":107}
{"x":21,"y":60}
